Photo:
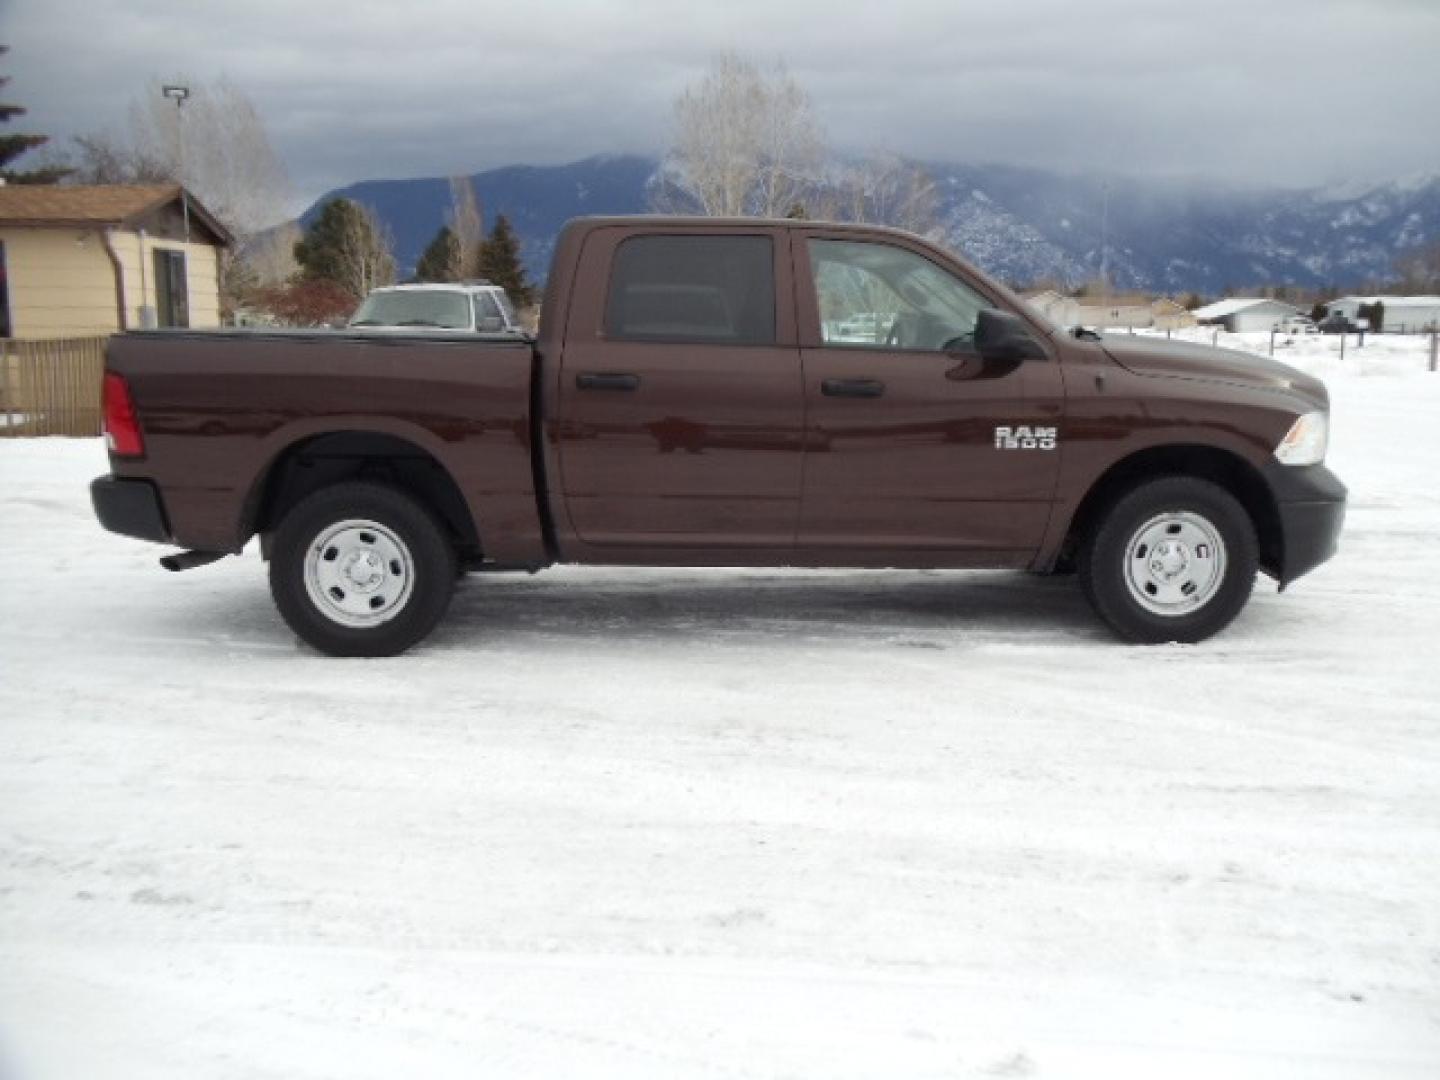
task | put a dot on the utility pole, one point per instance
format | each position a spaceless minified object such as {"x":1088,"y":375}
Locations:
{"x":178,"y":94}
{"x":1105,"y":243}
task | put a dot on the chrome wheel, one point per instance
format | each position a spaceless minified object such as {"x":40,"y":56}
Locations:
{"x":359,"y":573}
{"x":1175,"y":563}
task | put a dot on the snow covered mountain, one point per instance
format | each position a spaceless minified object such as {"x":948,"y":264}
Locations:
{"x":1022,"y":224}
{"x":1027,"y":224}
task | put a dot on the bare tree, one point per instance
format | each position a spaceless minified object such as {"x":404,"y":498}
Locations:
{"x":744,"y":143}
{"x":102,"y":159}
{"x":467,"y":227}
{"x":270,"y":255}
{"x":1419,"y":269}
{"x":217,"y":145}
{"x":884,"y":189}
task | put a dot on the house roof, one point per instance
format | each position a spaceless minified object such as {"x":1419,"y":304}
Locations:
{"x":88,"y":206}
{"x":1221,"y":308}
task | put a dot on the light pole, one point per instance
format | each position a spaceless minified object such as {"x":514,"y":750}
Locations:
{"x":1105,"y":241}
{"x":178,"y":94}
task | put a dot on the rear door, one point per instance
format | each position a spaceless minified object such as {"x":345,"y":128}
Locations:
{"x":680,"y":400}
{"x":919,"y":450}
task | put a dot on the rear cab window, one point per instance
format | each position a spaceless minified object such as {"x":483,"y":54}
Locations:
{"x":677,"y":288}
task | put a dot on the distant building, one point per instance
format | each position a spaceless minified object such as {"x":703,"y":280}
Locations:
{"x":1399,"y":314}
{"x":81,"y":261}
{"x":1241,"y":314}
{"x":1110,"y":312}
{"x":1170,"y":316}
{"x":1061,"y":310}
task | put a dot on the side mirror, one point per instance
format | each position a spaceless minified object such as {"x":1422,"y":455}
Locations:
{"x":1001,"y":335}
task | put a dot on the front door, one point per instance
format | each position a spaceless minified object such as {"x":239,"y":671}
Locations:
{"x":680,"y":402}
{"x":918,"y":449}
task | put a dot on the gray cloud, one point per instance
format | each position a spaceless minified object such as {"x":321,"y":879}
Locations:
{"x":1286,"y":91}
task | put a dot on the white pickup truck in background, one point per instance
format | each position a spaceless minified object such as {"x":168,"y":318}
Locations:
{"x":469,"y":305}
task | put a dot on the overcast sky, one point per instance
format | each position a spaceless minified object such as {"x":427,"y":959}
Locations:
{"x":1257,"y":91}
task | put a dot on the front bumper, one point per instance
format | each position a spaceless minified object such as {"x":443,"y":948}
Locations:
{"x":130,"y":508}
{"x":1310,"y":501}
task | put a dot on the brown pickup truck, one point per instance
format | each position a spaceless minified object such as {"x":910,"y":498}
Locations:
{"x":708,"y":392}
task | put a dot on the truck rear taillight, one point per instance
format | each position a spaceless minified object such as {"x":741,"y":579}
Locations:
{"x":122,"y":426}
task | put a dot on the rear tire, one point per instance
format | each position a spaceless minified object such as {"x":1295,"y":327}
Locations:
{"x":1172,"y":560}
{"x":361,"y":569}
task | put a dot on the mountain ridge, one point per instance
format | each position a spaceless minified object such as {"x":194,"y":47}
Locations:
{"x":1020,"y":223}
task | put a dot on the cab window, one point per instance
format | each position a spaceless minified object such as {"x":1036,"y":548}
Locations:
{"x":873,"y":295}
{"x":487,"y":308}
{"x":718,"y":289}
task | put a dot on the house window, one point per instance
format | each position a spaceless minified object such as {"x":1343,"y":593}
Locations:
{"x":5,"y":328}
{"x":172,"y":298}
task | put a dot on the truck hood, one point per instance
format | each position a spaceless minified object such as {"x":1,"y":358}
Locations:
{"x":1183,"y":360}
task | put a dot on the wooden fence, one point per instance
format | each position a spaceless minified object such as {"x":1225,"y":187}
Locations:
{"x":51,"y":387}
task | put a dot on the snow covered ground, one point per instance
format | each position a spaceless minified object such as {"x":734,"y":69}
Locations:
{"x":735,"y":823}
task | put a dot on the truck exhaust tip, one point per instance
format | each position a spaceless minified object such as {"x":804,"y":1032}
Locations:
{"x":189,"y":560}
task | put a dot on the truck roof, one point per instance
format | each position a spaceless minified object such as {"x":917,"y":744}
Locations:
{"x":691,"y":221}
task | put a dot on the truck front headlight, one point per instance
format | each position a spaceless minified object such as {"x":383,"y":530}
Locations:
{"x":1306,"y":441}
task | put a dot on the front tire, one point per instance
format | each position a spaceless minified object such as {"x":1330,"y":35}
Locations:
{"x":1172,"y":560}
{"x":361,"y":569}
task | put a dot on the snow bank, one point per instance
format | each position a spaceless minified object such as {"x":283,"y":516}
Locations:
{"x":1386,"y":355}
{"x":672,"y":823}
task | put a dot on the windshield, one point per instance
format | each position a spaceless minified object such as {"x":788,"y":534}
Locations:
{"x":444,"y":308}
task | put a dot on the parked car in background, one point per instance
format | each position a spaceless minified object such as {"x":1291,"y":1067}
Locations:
{"x":1298,"y":324}
{"x":471,"y":305}
{"x":1336,"y":323}
{"x":866,"y":326}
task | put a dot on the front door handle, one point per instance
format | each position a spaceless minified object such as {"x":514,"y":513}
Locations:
{"x":852,"y":388}
{"x":607,"y":380}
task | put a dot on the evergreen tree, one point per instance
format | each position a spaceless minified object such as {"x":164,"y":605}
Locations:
{"x":441,"y":260}
{"x":318,"y":251}
{"x":500,"y":263}
{"x":12,"y":146}
{"x":348,"y":246}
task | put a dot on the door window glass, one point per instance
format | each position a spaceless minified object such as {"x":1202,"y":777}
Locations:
{"x":718,"y":289}
{"x":879,"y":296}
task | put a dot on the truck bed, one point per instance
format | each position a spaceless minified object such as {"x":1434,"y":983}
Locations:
{"x":222,"y":410}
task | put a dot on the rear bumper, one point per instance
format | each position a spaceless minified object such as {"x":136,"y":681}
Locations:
{"x":1311,"y":505}
{"x":130,"y":508}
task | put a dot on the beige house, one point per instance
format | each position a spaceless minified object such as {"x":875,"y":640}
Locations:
{"x":1168,"y":315}
{"x":82,"y":261}
{"x":1112,"y":312}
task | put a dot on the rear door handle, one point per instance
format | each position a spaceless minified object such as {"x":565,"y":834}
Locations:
{"x":607,"y":380}
{"x":852,"y":388}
